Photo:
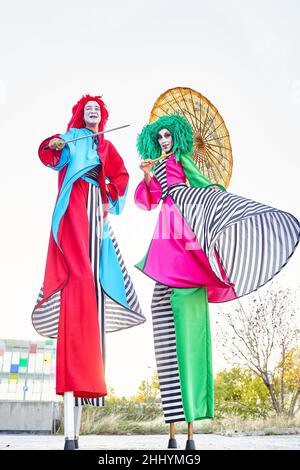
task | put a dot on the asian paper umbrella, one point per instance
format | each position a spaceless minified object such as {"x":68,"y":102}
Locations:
{"x":212,"y":148}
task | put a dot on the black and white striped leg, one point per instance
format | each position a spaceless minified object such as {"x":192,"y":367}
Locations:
{"x":166,"y":354}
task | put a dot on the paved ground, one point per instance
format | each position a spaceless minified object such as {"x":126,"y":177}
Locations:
{"x":153,"y":442}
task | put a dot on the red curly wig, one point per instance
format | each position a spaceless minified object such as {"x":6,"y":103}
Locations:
{"x":77,"y":120}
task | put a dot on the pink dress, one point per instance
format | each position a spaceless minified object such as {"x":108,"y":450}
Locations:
{"x":209,"y":238}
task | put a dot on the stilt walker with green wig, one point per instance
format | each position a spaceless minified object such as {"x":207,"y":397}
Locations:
{"x":201,"y":236}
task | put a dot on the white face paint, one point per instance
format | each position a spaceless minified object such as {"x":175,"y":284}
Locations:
{"x":92,"y":113}
{"x":165,"y":140}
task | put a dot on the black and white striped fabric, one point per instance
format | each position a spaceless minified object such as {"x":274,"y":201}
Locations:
{"x":253,"y":241}
{"x":161,"y":176}
{"x":112,"y":316}
{"x":93,"y":173}
{"x":95,"y":216}
{"x":166,"y":354}
{"x":45,"y":318}
{"x":116,"y":316}
{"x":89,"y":401}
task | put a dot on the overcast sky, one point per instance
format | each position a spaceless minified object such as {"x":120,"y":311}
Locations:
{"x":243,"y":56}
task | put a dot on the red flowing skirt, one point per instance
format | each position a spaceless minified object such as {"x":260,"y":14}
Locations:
{"x":79,"y":365}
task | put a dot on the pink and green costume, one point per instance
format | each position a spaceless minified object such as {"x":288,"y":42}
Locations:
{"x":208,"y":246}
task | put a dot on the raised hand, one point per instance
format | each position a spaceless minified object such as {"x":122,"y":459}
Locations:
{"x":56,"y":144}
{"x":146,"y":166}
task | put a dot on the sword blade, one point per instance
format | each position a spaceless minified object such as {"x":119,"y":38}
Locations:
{"x":92,"y":135}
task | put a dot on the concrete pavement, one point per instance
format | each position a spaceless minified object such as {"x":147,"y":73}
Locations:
{"x":151,"y":442}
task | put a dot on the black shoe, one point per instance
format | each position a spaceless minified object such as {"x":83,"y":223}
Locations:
{"x":69,"y":444}
{"x":172,"y":443}
{"x":190,"y":444}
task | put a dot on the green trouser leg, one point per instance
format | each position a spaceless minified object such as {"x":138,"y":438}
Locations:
{"x":193,"y":341}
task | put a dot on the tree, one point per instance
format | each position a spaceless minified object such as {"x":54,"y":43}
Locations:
{"x":111,"y":394}
{"x":148,"y":390}
{"x":290,"y":379}
{"x":241,"y":392}
{"x":262,"y":336}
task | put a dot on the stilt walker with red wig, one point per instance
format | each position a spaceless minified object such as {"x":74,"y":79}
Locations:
{"x":87,"y":290}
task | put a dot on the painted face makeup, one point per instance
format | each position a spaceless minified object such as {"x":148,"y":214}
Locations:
{"x":92,"y":113}
{"x":165,"y":140}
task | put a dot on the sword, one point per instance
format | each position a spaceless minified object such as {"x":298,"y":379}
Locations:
{"x":91,"y":135}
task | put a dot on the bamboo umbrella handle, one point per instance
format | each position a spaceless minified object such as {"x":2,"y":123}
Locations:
{"x":162,"y":157}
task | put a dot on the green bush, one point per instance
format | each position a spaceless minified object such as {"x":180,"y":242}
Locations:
{"x":239,"y":392}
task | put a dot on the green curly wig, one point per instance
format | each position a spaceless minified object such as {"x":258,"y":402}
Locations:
{"x":181,"y":131}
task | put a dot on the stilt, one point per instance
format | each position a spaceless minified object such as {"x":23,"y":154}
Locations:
{"x":77,"y":419}
{"x":69,"y":421}
{"x":172,"y":441}
{"x":190,"y":443}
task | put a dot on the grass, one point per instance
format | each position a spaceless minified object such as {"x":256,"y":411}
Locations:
{"x":132,"y":418}
{"x":232,"y":425}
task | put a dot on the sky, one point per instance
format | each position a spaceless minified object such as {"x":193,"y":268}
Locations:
{"x":243,"y":56}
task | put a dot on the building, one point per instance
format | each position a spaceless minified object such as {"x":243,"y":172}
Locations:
{"x":27,"y":370}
